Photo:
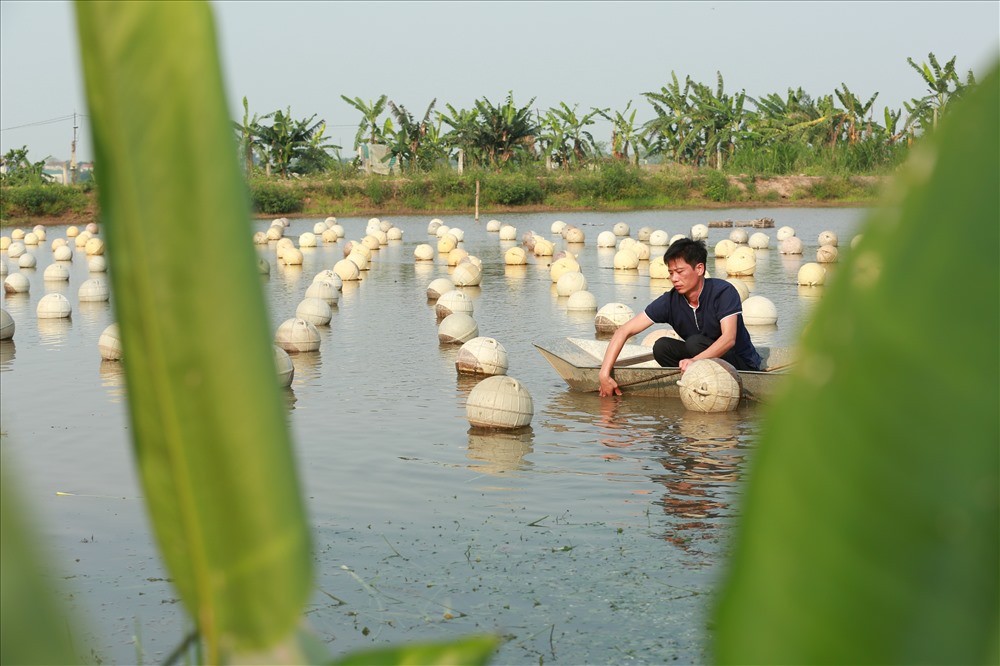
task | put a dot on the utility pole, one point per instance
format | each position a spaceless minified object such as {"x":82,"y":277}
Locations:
{"x":72,"y":153}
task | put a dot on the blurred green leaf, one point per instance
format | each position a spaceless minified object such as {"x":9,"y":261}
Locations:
{"x":871,"y":529}
{"x":475,"y":651}
{"x":209,"y":428}
{"x":34,"y":629}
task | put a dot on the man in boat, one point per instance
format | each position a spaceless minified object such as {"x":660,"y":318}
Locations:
{"x":706,"y":312}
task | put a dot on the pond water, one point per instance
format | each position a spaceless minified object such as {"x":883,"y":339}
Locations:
{"x":596,"y":536}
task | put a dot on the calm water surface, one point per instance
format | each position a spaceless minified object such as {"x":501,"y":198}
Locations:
{"x":597,"y":536}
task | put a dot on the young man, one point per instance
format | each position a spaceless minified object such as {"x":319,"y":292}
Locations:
{"x":705,"y":312}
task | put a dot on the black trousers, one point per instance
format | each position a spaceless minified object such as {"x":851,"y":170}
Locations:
{"x":668,"y":352}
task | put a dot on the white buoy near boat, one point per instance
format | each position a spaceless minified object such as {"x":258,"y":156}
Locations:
{"x":741,"y":287}
{"x":612,"y":316}
{"x":710,"y":385}
{"x":297,"y":335}
{"x":109,"y":344}
{"x":53,"y":306}
{"x":759,"y":311}
{"x":499,"y":402}
{"x":658,"y":270}
{"x":481,"y":356}
{"x":457,"y":328}
{"x":581,"y":301}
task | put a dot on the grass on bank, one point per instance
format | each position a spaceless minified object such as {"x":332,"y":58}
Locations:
{"x":613,"y":187}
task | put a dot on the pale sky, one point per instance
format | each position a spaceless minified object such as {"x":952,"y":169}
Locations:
{"x":594,"y":54}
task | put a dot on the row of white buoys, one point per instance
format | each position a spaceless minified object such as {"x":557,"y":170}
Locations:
{"x":297,"y":335}
{"x":109,"y":344}
{"x":457,"y":328}
{"x":611,"y":316}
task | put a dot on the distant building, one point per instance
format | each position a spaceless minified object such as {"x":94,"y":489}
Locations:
{"x":56,"y":171}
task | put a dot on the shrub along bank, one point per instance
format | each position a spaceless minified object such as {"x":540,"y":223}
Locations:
{"x":614,"y":186}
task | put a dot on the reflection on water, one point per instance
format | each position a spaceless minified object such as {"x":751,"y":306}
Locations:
{"x":7,"y":353}
{"x":764,"y":335}
{"x":54,"y":331}
{"x":515,"y":274}
{"x":288,"y":395}
{"x":464,"y":384}
{"x":624,"y":277}
{"x":423,"y":268}
{"x":93,"y":312}
{"x":702,"y":464}
{"x":308,"y":367}
{"x":56,"y":287}
{"x":810,"y":294}
{"x":113,"y":379}
{"x":497,"y":451}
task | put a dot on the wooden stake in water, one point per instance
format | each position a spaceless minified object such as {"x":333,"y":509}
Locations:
{"x":477,"y":201}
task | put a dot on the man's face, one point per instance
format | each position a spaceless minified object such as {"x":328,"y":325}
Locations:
{"x":685,"y":277}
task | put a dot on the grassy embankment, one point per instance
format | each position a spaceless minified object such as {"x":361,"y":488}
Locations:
{"x":615,"y":188}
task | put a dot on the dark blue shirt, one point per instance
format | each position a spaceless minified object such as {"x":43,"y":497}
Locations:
{"x":718,"y":300}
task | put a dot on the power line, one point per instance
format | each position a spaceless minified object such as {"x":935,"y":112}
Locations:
{"x":50,"y":121}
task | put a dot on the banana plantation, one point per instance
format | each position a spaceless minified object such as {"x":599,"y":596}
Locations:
{"x":690,"y":124}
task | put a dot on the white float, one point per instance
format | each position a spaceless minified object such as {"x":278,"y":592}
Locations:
{"x":31,"y":238}
{"x":55,"y":273}
{"x":323,"y":290}
{"x":93,"y":290}
{"x":453,"y":302}
{"x":784,"y":232}
{"x":297,"y":335}
{"x":499,"y":402}
{"x":699,"y":232}
{"x":560,"y":267}
{"x":570,"y":283}
{"x":508,"y":233}
{"x":658,"y":270}
{"x":283,"y":366}
{"x":741,"y":287}
{"x":481,"y":356}
{"x":724,"y":248}
{"x":92,"y":228}
{"x":457,"y":328}
{"x":259,"y":238}
{"x":557,"y":227}
{"x":27,"y":260}
{"x":759,"y":241}
{"x":606,"y":239}
{"x":347,"y":270}
{"x":710,"y":385}
{"x":612,"y":316}
{"x":433,"y":226}
{"x":53,"y":306}
{"x":307,"y":239}
{"x":439,"y":286}
{"x":515,"y":256}
{"x":742,"y":262}
{"x":318,"y":230}
{"x":330,"y":277}
{"x":16,"y":249}
{"x":574,"y":235}
{"x":620,"y":229}
{"x":17,"y":235}
{"x":828,"y":238}
{"x":394,"y":234}
{"x":790,"y":245}
{"x":72,"y":232}
{"x":811,"y":275}
{"x":446,"y":244}
{"x":827,"y":254}
{"x":7,"y":325}
{"x":423,"y":252}
{"x":659,"y":238}
{"x":759,"y":311}
{"x":316,"y":311}
{"x":626,"y":260}
{"x":739,"y":236}
{"x":581,"y":301}
{"x":109,"y":344}
{"x":16,"y":283}
{"x":467,"y":274}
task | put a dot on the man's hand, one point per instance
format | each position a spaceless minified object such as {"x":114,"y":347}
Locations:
{"x":684,"y":363}
{"x":609,"y":387}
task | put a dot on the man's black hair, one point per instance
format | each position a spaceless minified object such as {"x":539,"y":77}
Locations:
{"x":691,"y":251}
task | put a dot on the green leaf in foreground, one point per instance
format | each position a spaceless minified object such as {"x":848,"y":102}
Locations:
{"x":209,"y":430}
{"x":475,"y":651}
{"x":871,"y":531}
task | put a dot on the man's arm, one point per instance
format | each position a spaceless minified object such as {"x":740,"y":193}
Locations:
{"x":636,"y":324}
{"x":718,"y":348}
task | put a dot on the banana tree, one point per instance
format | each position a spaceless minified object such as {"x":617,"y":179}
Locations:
{"x":718,"y":122}
{"x":670,"y":128}
{"x":406,"y":141}
{"x":505,"y":131}
{"x":248,"y":133}
{"x":943,"y":86}
{"x":463,"y":132}
{"x":855,"y":111}
{"x":581,"y":141}
{"x":624,"y":133}
{"x":287,"y":138}
{"x":368,"y":129}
